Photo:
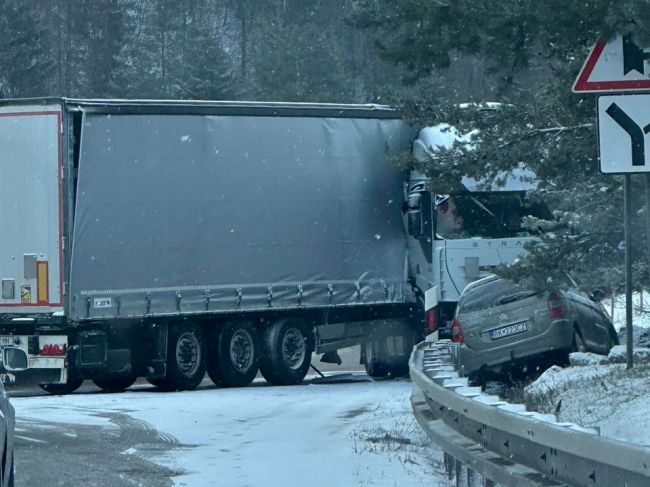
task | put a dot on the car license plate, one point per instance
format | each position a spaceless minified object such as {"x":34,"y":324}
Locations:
{"x":506,"y":331}
{"x":6,"y":341}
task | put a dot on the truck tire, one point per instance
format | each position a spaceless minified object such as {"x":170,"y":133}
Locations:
{"x":399,"y":363}
{"x":72,"y":384}
{"x":234,"y":355}
{"x":117,"y":383}
{"x":374,"y":359}
{"x":186,"y":358}
{"x":287,"y":346}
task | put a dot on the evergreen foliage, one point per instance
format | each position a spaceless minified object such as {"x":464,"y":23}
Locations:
{"x":533,"y":52}
{"x":290,"y":50}
{"x":428,"y":56}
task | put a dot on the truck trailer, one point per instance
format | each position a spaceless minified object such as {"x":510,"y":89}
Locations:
{"x":164,"y":239}
{"x":161,"y":239}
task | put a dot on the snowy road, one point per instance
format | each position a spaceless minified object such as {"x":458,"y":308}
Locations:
{"x":315,"y":434}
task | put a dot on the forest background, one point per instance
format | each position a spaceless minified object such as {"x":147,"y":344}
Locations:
{"x":426,"y":57}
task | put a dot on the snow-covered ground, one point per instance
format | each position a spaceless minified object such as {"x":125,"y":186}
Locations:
{"x":317,"y":435}
{"x":640,"y":310}
{"x":600,"y":393}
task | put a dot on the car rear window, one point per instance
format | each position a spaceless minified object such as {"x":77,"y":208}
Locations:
{"x":489,"y":294}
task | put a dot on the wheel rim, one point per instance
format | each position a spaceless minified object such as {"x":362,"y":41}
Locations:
{"x":188,"y":353}
{"x":293,"y":348}
{"x":241,"y":350}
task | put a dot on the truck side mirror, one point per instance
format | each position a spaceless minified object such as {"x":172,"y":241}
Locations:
{"x":415,"y":223}
{"x":14,"y":359}
{"x":414,"y":200}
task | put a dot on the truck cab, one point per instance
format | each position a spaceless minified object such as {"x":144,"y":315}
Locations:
{"x":461,"y":236}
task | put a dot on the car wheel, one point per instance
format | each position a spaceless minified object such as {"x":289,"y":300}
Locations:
{"x":186,"y":358}
{"x":579,"y":344}
{"x":613,"y":338}
{"x":69,"y":386}
{"x":374,"y":359}
{"x":115,"y":383}
{"x":287,"y":346}
{"x":234,"y":358}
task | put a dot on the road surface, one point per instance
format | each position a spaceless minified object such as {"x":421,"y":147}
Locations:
{"x":352,"y":431}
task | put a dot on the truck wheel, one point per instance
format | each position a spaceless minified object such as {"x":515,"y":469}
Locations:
{"x":72,"y":384}
{"x":399,"y":364}
{"x":374,"y":358}
{"x":115,"y":383}
{"x":287,"y":346}
{"x":186,"y":357}
{"x":400,"y":369}
{"x":234,"y":358}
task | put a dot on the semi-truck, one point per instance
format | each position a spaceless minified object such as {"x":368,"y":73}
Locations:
{"x":164,"y":239}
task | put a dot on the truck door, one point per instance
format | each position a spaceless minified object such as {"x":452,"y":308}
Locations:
{"x":31,"y":216}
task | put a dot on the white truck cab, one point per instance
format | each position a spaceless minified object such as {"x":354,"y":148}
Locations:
{"x":459,"y":237}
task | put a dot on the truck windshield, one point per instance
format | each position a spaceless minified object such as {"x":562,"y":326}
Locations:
{"x":489,"y":215}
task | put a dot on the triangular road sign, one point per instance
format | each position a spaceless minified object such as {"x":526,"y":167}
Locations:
{"x":615,"y":64}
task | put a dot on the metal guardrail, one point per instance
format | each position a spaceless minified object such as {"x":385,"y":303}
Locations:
{"x":507,"y":444}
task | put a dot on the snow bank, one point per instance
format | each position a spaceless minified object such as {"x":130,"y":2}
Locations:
{"x":607,"y":397}
{"x":587,"y":358}
{"x":618,"y":355}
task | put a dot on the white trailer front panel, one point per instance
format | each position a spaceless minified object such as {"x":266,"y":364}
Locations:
{"x":31,"y":219}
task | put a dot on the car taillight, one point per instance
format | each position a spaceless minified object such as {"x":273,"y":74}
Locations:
{"x":432,"y":324}
{"x":556,"y":306}
{"x":457,"y":334}
{"x":53,"y":350}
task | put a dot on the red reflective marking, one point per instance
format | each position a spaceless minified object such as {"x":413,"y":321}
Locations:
{"x":583,"y":83}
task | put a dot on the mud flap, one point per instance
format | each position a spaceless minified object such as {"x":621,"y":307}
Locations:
{"x":157,"y":333}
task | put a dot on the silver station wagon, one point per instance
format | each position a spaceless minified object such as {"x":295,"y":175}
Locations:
{"x":506,"y":328}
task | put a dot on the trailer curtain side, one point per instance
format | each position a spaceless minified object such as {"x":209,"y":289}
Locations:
{"x":198,"y":213}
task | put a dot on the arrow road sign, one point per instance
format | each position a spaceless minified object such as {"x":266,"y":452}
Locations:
{"x":617,"y":64}
{"x":623,"y":128}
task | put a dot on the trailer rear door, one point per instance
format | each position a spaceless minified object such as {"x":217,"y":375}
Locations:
{"x":31,"y":220}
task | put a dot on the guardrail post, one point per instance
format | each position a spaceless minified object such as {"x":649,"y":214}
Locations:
{"x":473,"y":479}
{"x":459,"y":474}
{"x":449,"y":465}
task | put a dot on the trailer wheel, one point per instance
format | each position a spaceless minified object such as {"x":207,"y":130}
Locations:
{"x":287,"y":346}
{"x":186,"y":357}
{"x":374,"y":358}
{"x":115,"y":383}
{"x":234,"y":357}
{"x":72,"y":384}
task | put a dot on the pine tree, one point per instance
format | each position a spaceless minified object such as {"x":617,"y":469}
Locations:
{"x":27,"y":68}
{"x":533,"y":52}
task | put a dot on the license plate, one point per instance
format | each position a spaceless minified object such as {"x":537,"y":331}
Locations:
{"x":6,"y":341}
{"x":506,"y":331}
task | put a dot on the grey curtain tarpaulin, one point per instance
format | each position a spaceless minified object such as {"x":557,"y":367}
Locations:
{"x":196,"y":213}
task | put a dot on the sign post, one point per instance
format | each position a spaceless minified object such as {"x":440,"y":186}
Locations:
{"x":618,"y":65}
{"x":623,"y":124}
{"x":628,"y":272}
